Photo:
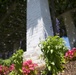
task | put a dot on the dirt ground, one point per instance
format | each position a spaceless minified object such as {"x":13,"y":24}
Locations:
{"x":70,"y":68}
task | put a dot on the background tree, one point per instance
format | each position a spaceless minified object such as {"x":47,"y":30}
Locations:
{"x":12,"y":24}
{"x":58,"y":8}
{"x":13,"y":20}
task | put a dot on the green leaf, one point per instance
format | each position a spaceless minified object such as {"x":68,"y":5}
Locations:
{"x":49,"y":68}
{"x":52,"y":63}
{"x":51,"y":51}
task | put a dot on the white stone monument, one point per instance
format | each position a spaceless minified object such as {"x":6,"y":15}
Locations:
{"x":39,"y":26}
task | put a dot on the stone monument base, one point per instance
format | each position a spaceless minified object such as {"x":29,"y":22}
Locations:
{"x":36,"y":57}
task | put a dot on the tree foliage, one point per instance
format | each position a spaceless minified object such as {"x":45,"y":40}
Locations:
{"x":62,"y":6}
{"x":13,"y":19}
{"x":59,"y":7}
{"x":12,"y":22}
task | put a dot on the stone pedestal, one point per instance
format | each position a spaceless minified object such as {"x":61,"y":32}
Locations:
{"x":36,"y":57}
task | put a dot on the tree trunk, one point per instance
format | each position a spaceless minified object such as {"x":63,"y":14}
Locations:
{"x":52,"y":10}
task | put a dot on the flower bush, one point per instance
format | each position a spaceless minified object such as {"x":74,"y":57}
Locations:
{"x":4,"y":70}
{"x":28,"y":68}
{"x":15,"y":65}
{"x":22,"y":68}
{"x":17,"y":59}
{"x":70,"y":54}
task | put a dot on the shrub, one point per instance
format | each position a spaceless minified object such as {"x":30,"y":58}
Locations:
{"x":53,"y":49}
{"x":6,"y":62}
{"x":1,"y":61}
{"x":18,"y":60}
{"x":5,"y":70}
{"x":15,"y":59}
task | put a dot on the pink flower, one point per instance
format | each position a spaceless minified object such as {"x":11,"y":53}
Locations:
{"x":1,"y":68}
{"x":25,"y":71}
{"x":74,"y":49}
{"x":28,"y":67}
{"x":4,"y":70}
{"x":70,"y":54}
{"x":31,"y":67}
{"x":12,"y":67}
{"x":66,"y":54}
{"x":27,"y":63}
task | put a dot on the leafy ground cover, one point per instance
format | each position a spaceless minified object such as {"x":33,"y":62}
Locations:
{"x":15,"y":65}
